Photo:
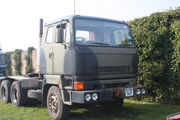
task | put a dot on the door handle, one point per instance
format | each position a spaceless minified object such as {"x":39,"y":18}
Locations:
{"x":51,"y":55}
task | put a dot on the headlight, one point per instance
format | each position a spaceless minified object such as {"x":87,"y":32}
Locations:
{"x":88,"y":97}
{"x":138,"y":91}
{"x":94,"y":96}
{"x":143,"y":91}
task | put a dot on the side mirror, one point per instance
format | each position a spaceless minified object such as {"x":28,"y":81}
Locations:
{"x":60,"y":35}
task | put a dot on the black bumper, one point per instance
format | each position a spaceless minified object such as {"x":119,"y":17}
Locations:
{"x":105,"y":94}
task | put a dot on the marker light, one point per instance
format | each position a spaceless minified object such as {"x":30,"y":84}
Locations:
{"x":79,"y":86}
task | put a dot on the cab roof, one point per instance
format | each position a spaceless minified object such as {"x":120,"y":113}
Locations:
{"x":71,"y":17}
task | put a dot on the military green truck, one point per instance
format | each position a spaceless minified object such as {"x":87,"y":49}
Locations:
{"x":82,"y":60}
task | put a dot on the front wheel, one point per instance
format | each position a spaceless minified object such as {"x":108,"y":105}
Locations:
{"x":56,"y":108}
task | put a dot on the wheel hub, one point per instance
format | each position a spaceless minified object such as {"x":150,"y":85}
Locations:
{"x":53,"y":103}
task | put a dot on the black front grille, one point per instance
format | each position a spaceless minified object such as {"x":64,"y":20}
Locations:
{"x":113,"y":69}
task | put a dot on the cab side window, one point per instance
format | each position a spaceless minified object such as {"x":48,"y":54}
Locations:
{"x":49,"y":37}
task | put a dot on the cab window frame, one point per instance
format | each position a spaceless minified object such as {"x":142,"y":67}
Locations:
{"x":47,"y":33}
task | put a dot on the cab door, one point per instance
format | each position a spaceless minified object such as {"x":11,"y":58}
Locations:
{"x":62,"y":54}
{"x":46,"y":51}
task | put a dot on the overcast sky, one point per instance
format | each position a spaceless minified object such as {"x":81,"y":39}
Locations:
{"x":19,"y":19}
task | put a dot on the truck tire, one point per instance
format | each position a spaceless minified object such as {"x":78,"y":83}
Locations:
{"x":5,"y":91}
{"x":56,"y":108}
{"x":17,"y":94}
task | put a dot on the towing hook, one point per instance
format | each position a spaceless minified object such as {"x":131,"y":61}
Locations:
{"x":117,"y":92}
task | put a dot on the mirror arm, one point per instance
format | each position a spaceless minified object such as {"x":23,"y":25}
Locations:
{"x":65,"y":45}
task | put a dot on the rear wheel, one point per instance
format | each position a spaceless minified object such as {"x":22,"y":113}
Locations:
{"x":18,"y":95}
{"x":5,"y":91}
{"x":56,"y":108}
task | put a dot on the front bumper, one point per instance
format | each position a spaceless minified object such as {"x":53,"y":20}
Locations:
{"x":107,"y":94}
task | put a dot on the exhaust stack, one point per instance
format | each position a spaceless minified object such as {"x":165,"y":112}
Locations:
{"x":40,"y":28}
{"x":40,"y":40}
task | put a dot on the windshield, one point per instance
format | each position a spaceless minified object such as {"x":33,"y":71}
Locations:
{"x":97,"y":32}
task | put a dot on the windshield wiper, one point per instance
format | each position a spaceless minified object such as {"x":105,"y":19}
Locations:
{"x":125,"y":45}
{"x":100,"y":43}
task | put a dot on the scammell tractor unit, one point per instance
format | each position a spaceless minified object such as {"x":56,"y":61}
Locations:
{"x":82,"y":60}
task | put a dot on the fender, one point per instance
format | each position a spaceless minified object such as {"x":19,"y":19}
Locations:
{"x":61,"y":82}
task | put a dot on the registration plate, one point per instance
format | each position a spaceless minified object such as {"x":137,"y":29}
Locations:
{"x":129,"y":92}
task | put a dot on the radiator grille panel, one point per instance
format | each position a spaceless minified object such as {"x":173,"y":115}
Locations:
{"x":113,"y":69}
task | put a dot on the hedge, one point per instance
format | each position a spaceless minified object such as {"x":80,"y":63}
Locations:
{"x":8,"y":63}
{"x":157,"y":39}
{"x":29,"y":67}
{"x":17,"y":61}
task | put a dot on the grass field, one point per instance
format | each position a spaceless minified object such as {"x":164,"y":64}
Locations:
{"x":132,"y":110}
